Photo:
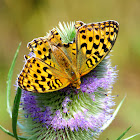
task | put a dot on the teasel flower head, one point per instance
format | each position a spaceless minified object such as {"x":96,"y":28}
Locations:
{"x":70,"y":113}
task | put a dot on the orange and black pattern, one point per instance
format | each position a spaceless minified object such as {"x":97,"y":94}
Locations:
{"x":57,"y":64}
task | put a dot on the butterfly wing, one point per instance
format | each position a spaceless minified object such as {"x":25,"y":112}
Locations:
{"x":94,"y":41}
{"x":70,"y":48}
{"x":39,"y":77}
{"x":78,"y":24}
{"x":43,"y":73}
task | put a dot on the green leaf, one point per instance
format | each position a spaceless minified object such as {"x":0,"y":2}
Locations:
{"x":15,"y":112}
{"x":6,"y":131}
{"x":9,"y":80}
{"x":123,"y":133}
{"x":131,"y":137}
{"x":11,"y":134}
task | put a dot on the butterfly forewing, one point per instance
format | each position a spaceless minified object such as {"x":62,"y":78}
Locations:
{"x":94,"y":42}
{"x":40,"y":77}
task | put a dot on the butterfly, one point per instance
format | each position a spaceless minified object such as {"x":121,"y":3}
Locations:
{"x":56,"y":64}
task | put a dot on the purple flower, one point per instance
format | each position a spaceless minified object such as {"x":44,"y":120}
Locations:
{"x":68,"y":112}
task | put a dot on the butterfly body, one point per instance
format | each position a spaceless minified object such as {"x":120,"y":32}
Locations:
{"x":56,"y":64}
{"x":69,"y":70}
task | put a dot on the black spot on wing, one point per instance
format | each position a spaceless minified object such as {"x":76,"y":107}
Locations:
{"x":38,"y":64}
{"x":83,"y":36}
{"x":102,"y":40}
{"x":66,"y":45}
{"x":107,"y":33}
{"x":28,"y":86}
{"x":39,"y":52}
{"x":112,"y":42}
{"x":90,"y":39}
{"x":41,"y":86}
{"x":49,"y":76}
{"x":36,"y":81}
{"x":112,"y":33}
{"x":45,"y":69}
{"x":82,"y":31}
{"x":95,"y":46}
{"x":84,"y":45}
{"x":105,"y":48}
{"x":38,"y":71}
{"x":88,"y":51}
{"x":35,"y":75}
{"x":97,"y":37}
{"x":34,"y":88}
{"x":34,"y":61}
{"x":44,"y":49}
{"x":43,"y":78}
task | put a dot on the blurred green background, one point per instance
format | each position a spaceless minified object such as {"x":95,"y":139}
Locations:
{"x":24,"y":20}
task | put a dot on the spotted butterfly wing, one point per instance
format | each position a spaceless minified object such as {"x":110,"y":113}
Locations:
{"x":43,"y":73}
{"x":94,"y":41}
{"x":40,"y":77}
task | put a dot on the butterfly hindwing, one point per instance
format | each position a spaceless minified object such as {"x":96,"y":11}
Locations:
{"x":94,"y":41}
{"x":39,"y":77}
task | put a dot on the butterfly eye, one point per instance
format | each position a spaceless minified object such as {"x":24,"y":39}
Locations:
{"x":72,"y":73}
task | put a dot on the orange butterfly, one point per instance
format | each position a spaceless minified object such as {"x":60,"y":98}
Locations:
{"x":57,"y":64}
